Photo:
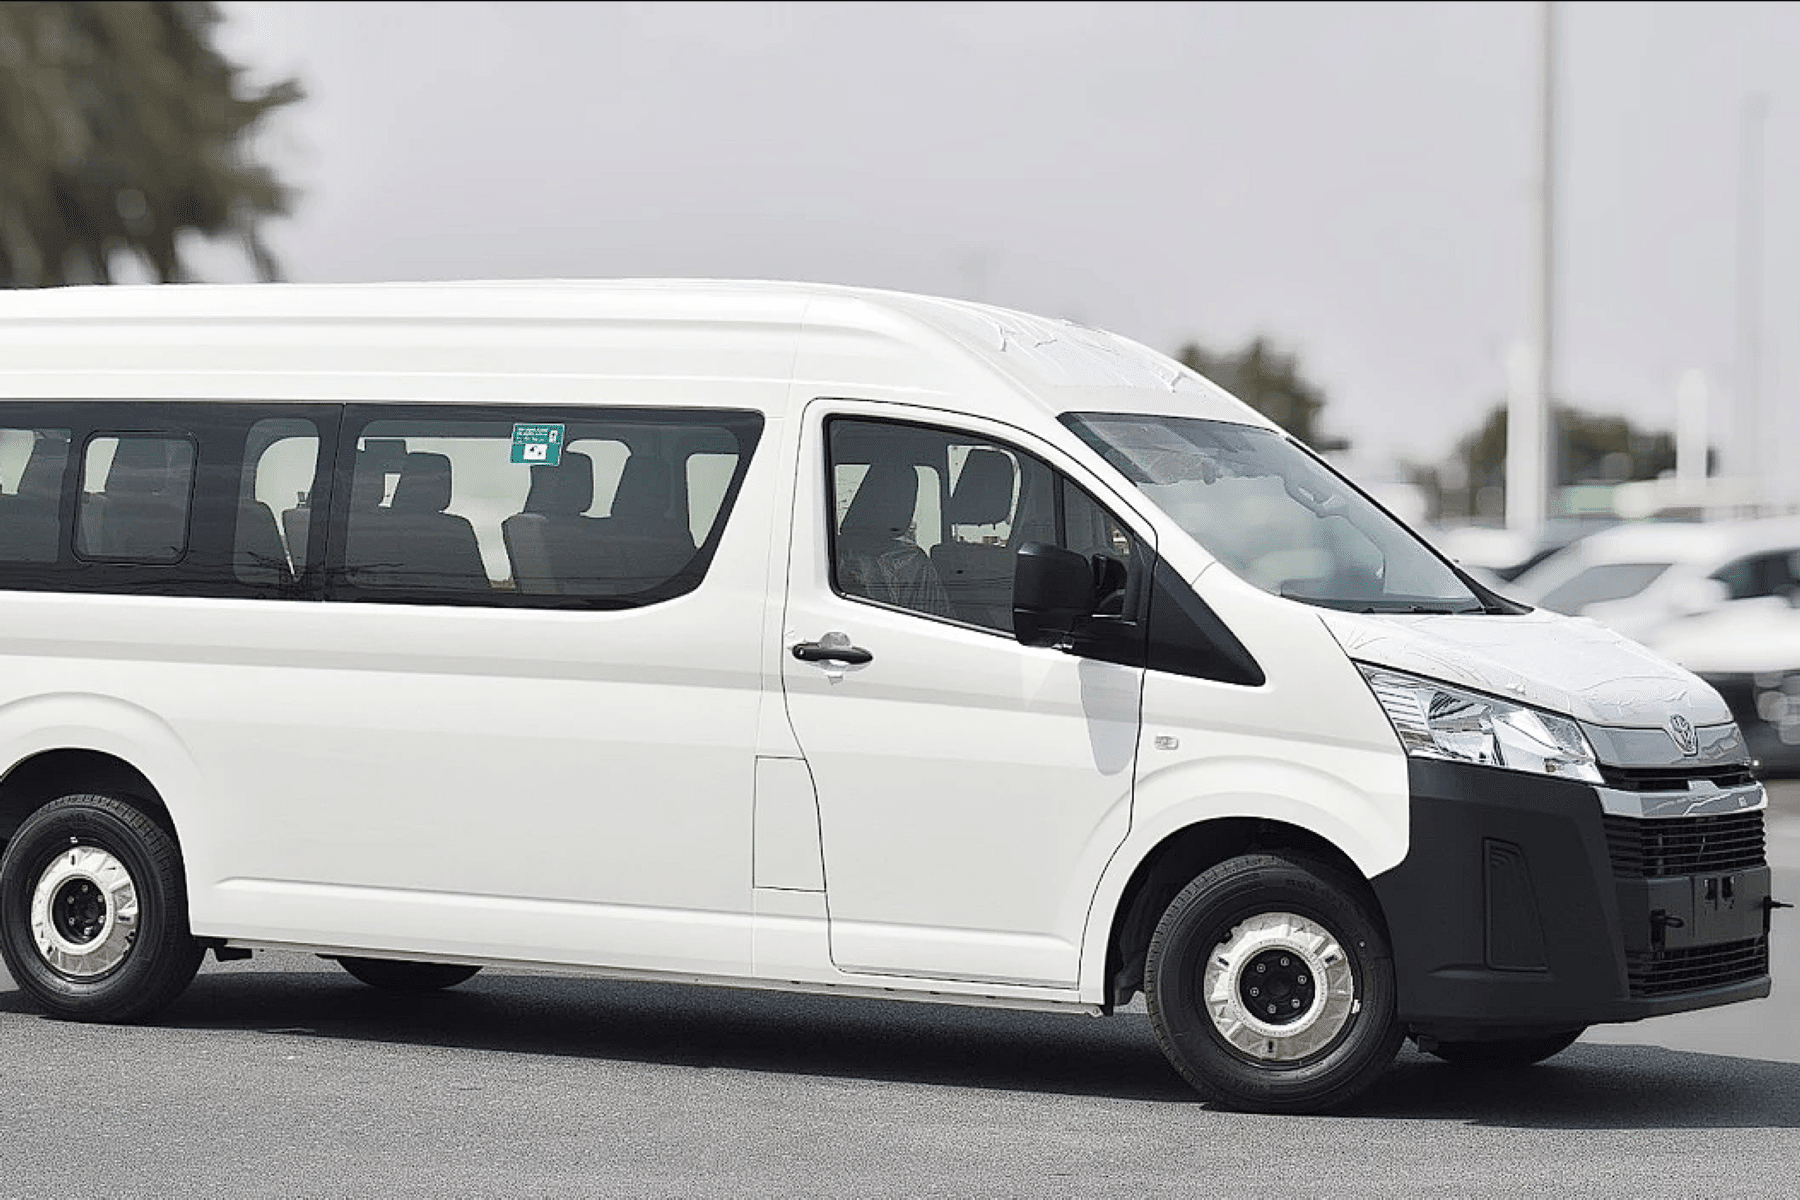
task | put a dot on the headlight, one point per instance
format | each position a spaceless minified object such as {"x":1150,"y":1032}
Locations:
{"x":1435,"y":720}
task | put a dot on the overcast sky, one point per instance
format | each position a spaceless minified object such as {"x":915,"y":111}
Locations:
{"x":1352,"y":179}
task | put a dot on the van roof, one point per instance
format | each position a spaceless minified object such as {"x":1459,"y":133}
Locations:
{"x":1045,"y":359}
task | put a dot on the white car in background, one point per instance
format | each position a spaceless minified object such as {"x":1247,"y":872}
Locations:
{"x":1642,"y":578}
{"x":1751,"y":654}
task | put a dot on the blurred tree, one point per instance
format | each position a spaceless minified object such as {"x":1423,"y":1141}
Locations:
{"x":1594,"y":449}
{"x":1268,"y":380}
{"x":121,"y":128}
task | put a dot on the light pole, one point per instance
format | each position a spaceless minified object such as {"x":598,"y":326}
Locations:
{"x":1754,"y":443}
{"x":1529,"y":440}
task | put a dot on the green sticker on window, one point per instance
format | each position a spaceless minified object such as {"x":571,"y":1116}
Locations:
{"x":540,"y":445}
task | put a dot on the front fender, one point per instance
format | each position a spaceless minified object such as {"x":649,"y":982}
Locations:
{"x":1359,"y":804}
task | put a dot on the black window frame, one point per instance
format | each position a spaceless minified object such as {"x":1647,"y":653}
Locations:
{"x":218,"y":431}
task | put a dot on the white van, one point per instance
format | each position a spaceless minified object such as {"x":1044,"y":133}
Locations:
{"x":808,"y":638}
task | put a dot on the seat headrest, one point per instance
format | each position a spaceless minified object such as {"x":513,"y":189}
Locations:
{"x":984,"y":491}
{"x":368,"y":485}
{"x":149,"y":466}
{"x":643,"y":488}
{"x":424,"y":483}
{"x":565,"y":490}
{"x":884,"y":503}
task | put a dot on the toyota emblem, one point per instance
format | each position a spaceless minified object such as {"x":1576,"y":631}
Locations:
{"x":1681,"y":731}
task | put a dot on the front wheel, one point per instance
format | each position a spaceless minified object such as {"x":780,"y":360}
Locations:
{"x":93,"y":911}
{"x":394,"y":975}
{"x":1506,"y":1052}
{"x":1271,"y":987}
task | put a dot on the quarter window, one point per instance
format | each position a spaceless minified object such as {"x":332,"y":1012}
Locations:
{"x":135,"y":491}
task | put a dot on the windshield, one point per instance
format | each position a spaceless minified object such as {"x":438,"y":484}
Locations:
{"x":1275,"y":515}
{"x":1600,"y":583}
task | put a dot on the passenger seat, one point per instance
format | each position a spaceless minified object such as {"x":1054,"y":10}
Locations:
{"x":413,"y":543}
{"x":554,"y":548}
{"x":979,"y":576}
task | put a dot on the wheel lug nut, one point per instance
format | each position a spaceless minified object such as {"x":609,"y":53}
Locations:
{"x":1284,"y":960}
{"x":1256,"y":991}
{"x":1302,"y":979}
{"x":1271,"y":1010}
{"x":1296,"y":1004}
{"x":1261,"y":967}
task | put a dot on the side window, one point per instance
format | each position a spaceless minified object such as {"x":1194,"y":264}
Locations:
{"x":924,"y":519}
{"x":276,"y":505}
{"x":135,"y":494}
{"x":548,"y":508}
{"x":931,"y":520}
{"x":33,"y":463}
{"x":1754,"y":576}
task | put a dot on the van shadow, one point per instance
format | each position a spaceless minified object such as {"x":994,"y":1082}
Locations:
{"x":1590,"y":1087}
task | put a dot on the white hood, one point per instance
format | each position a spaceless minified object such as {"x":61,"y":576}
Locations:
{"x":1564,"y":664}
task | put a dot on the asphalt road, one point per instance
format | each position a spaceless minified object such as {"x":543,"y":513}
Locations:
{"x":282,"y":1077}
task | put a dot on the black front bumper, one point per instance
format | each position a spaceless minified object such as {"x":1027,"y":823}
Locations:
{"x":1513,"y":911}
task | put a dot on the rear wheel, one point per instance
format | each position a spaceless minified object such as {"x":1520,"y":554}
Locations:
{"x":1507,"y":1052}
{"x":93,"y":911}
{"x":393,"y":975}
{"x":1270,"y":986}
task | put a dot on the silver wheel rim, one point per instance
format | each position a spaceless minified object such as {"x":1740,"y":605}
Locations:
{"x":84,"y":912}
{"x":1322,"y":1005}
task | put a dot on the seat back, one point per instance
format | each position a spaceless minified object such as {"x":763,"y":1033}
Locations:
{"x":653,"y":544}
{"x":876,"y":555}
{"x":554,"y":548}
{"x":976,"y":574}
{"x":412,"y":543}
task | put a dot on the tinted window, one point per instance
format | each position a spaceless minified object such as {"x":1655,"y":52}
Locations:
{"x":154,"y":497}
{"x":276,"y":508}
{"x":1772,"y":574}
{"x":135,"y":492}
{"x":33,"y":463}
{"x":551,"y":508}
{"x":1600,"y":583}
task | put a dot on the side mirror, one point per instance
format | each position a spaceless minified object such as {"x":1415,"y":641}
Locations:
{"x":1053,"y":592}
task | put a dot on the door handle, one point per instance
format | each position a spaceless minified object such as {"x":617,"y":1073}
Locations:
{"x":832,"y":648}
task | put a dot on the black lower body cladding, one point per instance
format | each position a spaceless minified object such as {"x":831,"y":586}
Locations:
{"x":1507,"y":916}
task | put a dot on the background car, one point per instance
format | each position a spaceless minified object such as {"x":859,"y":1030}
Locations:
{"x":1638,"y":578}
{"x":1751,"y":653}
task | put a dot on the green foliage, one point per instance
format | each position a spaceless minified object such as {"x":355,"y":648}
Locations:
{"x":1268,"y":380}
{"x":1590,"y":449}
{"x":121,"y":128}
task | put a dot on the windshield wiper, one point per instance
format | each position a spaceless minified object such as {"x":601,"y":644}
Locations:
{"x":1442,"y":608}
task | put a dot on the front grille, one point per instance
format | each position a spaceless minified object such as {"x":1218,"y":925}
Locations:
{"x":1657,"y":849}
{"x":1675,"y":779}
{"x":1696,"y":968}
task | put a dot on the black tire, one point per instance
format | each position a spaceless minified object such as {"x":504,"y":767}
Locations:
{"x":110,"y":941}
{"x":1506,"y":1052}
{"x":1334,"y":1036}
{"x":393,"y":975}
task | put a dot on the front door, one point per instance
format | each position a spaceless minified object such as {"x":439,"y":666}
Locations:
{"x":970,"y":788}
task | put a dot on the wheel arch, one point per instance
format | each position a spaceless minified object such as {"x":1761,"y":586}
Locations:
{"x":51,"y":774}
{"x":56,"y":745}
